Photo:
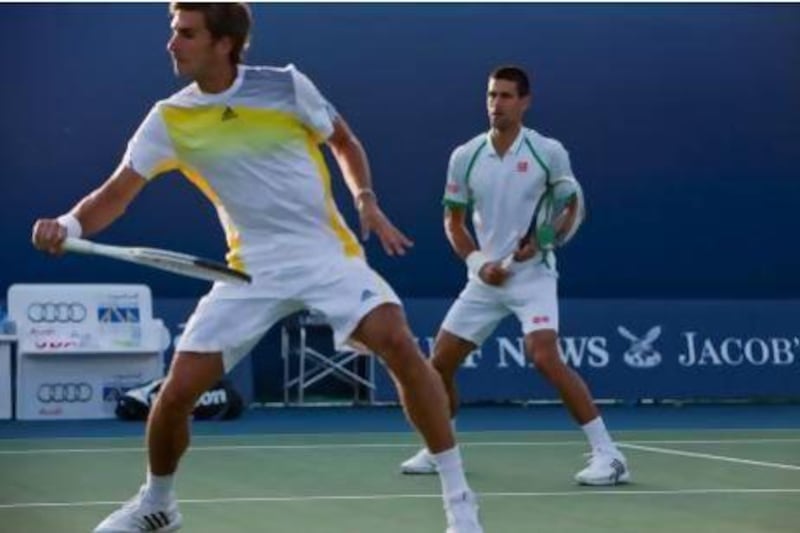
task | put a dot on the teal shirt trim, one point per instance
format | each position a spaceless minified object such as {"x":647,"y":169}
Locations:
{"x":472,"y":162}
{"x":454,"y":203}
{"x":539,"y":160}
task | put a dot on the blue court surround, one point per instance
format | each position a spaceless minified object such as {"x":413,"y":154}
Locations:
{"x":312,"y":420}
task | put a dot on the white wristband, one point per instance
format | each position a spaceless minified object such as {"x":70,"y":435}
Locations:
{"x":71,"y":224}
{"x":475,"y":261}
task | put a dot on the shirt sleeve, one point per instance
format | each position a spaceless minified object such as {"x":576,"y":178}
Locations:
{"x":150,"y":151}
{"x":559,"y":161}
{"x":314,"y":110}
{"x":456,"y":192}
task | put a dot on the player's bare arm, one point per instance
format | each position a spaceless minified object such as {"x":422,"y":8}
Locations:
{"x":94,"y":212}
{"x":455,"y":227}
{"x":526,"y":248}
{"x":566,"y":219}
{"x":352,"y":160}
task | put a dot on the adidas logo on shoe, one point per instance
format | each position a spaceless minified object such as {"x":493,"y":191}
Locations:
{"x":156,"y":521}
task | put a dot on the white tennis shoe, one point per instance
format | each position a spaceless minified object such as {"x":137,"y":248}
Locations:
{"x":606,"y":467}
{"x":420,"y":463}
{"x":462,"y":514}
{"x":142,"y":514}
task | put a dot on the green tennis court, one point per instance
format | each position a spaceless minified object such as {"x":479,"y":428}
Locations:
{"x":692,"y":480}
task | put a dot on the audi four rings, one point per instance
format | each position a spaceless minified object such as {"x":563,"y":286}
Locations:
{"x":64,"y":393}
{"x":53,"y":312}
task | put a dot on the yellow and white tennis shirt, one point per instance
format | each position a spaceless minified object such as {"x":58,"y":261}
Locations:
{"x":503,"y":191}
{"x":253,"y":151}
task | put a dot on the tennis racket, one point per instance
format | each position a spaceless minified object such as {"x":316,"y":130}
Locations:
{"x":178,"y":263}
{"x":561,"y":198}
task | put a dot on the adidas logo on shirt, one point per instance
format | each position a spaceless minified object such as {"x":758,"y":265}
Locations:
{"x":367,"y":294}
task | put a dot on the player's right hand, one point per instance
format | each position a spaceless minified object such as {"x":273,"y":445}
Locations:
{"x":493,"y":273}
{"x":48,"y":235}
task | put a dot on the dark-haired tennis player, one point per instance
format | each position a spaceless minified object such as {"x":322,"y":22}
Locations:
{"x":502,"y":175}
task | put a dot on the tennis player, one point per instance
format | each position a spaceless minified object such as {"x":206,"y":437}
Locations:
{"x":501,"y":175}
{"x":248,"y":138}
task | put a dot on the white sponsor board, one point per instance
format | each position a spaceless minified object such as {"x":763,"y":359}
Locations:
{"x":81,"y":345}
{"x":6,"y":343}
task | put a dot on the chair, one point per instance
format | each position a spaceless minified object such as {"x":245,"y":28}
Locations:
{"x":352,"y":366}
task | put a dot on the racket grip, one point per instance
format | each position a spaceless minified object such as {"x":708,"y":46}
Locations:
{"x":74,"y":244}
{"x":507,"y":261}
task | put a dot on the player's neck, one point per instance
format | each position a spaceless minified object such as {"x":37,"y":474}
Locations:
{"x":218,"y":80}
{"x":503,"y":139}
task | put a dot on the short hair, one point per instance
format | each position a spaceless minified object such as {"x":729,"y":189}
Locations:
{"x":223,"y":20}
{"x":515,"y":74}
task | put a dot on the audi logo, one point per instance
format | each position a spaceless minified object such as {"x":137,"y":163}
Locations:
{"x":52,"y":312}
{"x":64,"y":393}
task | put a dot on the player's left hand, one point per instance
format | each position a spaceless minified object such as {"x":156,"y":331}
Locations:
{"x":372,"y":219}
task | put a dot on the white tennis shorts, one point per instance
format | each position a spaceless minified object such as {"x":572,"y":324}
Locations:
{"x":232,"y":321}
{"x":530,"y":293}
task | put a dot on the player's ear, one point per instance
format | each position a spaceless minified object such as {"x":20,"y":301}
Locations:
{"x":224,"y":46}
{"x":526,"y":102}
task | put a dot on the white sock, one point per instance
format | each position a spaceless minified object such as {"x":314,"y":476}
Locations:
{"x":451,"y":472}
{"x":160,"y":488}
{"x":598,"y":436}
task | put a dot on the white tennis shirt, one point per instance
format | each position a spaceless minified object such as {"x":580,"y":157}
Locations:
{"x":253,"y":151}
{"x":503,"y":191}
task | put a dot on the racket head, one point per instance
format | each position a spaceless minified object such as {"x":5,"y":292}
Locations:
{"x":561,"y":194}
{"x":567,"y":193}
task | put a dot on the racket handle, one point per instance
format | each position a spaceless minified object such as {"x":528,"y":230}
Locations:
{"x":507,"y":261}
{"x":74,"y":244}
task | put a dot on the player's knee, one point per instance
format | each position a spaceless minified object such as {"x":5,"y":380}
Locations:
{"x":546,"y":363}
{"x":542,"y":348}
{"x":406,"y":362}
{"x":395,"y":343}
{"x":177,"y":396}
{"x":448,"y":355}
{"x":443,"y":367}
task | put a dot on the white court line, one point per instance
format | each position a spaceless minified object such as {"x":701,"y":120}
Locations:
{"x":668,"y":451}
{"x":239,"y":436}
{"x":219,"y":448}
{"x":356,"y":445}
{"x":381,"y":497}
{"x":299,"y":447}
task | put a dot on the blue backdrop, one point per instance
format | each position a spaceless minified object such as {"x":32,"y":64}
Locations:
{"x":683,"y":123}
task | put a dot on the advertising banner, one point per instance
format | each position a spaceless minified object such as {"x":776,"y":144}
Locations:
{"x":83,"y":318}
{"x":636,"y":349}
{"x":6,"y":345}
{"x":80,"y":346}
